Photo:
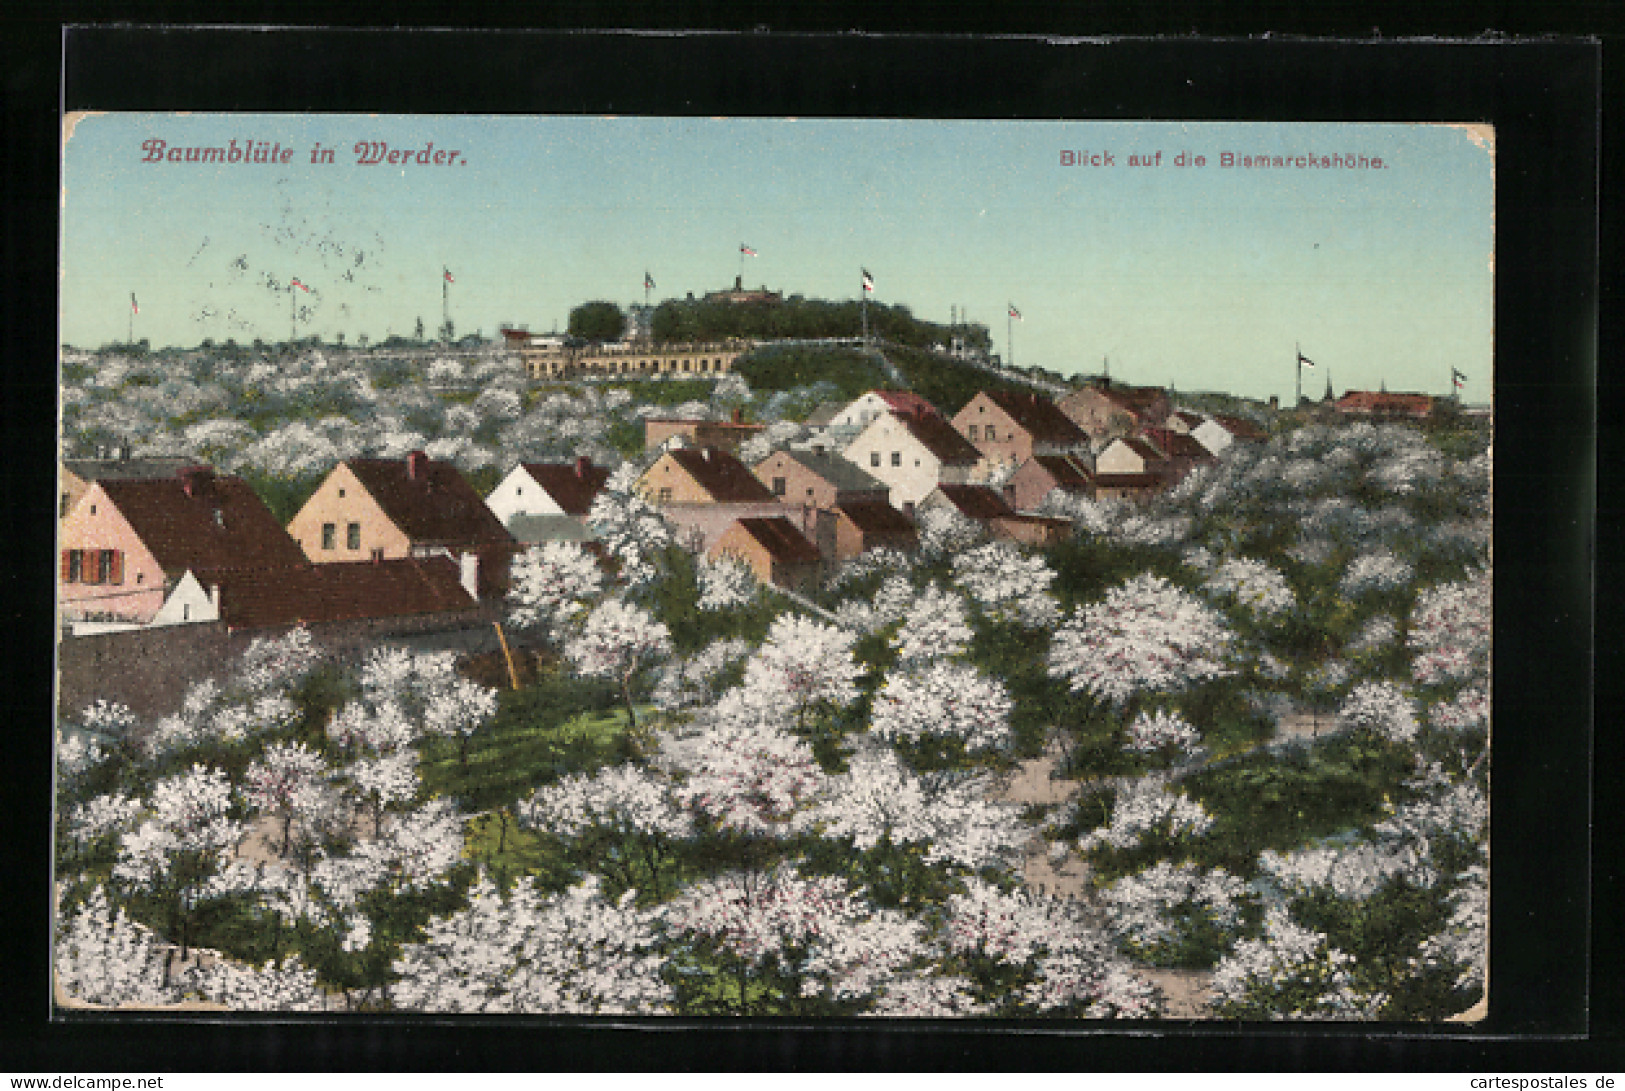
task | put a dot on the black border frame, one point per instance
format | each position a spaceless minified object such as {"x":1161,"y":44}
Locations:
{"x":1544,"y":98}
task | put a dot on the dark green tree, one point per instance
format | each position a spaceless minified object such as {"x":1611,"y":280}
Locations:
{"x":598,"y":320}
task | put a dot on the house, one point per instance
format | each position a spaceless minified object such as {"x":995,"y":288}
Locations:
{"x":545,"y":360}
{"x":985,"y":505}
{"x":1138,"y":487}
{"x":1008,"y":427}
{"x":547,"y":488}
{"x":856,"y":526}
{"x":912,"y":453}
{"x":384,"y":509}
{"x":421,"y":588}
{"x":1217,"y":433}
{"x":1131,"y":455}
{"x":862,"y":410}
{"x":76,"y":474}
{"x":1104,"y":410}
{"x":727,"y":435}
{"x":1380,"y":404}
{"x":1183,"y":453}
{"x":1041,"y":475}
{"x":128,"y":542}
{"x":817,"y":479}
{"x":701,"y":491}
{"x":1183,"y":420}
{"x":773,"y":549}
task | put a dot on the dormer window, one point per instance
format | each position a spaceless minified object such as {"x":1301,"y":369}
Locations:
{"x":219,"y":518}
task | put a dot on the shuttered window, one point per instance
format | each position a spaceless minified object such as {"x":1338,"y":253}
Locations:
{"x":116,"y":571}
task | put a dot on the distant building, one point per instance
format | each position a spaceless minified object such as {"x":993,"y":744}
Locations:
{"x":1009,"y":427}
{"x":77,"y":473}
{"x":985,"y":505}
{"x":1380,"y":404}
{"x":857,"y":526}
{"x":1105,"y":410}
{"x":726,"y":435}
{"x":773,"y":549}
{"x":128,"y":542}
{"x":631,"y":358}
{"x":383,"y":509}
{"x":740,"y":294}
{"x":1040,"y":475}
{"x":705,"y":475}
{"x":862,"y":410}
{"x":817,"y":479}
{"x":1217,"y":433}
{"x":547,"y":488}
{"x":912,"y":452}
{"x":1181,"y":452}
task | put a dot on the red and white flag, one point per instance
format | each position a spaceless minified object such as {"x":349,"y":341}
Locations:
{"x":747,"y":251}
{"x":868,"y":281}
{"x":134,"y":309}
{"x":297,"y":283}
{"x":449,"y":278}
{"x":1015,"y":313}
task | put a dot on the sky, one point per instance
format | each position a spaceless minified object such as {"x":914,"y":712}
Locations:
{"x":1203,"y":277}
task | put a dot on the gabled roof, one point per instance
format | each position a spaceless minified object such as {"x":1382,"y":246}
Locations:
{"x":976,"y":501}
{"x":341,"y":591}
{"x":1137,"y":400}
{"x":1186,"y":417}
{"x":783,"y":542}
{"x":876,"y":517}
{"x":939,"y":437}
{"x":823,"y":413}
{"x":434,"y":506}
{"x":1241,"y":428}
{"x":834,"y":469}
{"x":1141,"y":447}
{"x":183,"y":530}
{"x":723,"y":477}
{"x":1066,"y":471}
{"x":905,"y":401}
{"x":124,"y":469}
{"x":573,"y":486}
{"x":1037,"y":416}
{"x":1178,"y":444}
{"x":535,"y":529}
{"x":1129,"y":481}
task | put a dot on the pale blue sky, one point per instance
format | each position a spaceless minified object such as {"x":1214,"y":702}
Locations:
{"x":1205,"y":278}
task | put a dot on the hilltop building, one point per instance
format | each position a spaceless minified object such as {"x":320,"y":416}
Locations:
{"x":631,"y":358}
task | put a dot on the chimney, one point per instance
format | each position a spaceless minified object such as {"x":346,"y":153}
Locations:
{"x":417,"y":466}
{"x":705,"y":453}
{"x":195,"y":480}
{"x":468,"y":574}
{"x":583,"y":464}
{"x":214,"y":599}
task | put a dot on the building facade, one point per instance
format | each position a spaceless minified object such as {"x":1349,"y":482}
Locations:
{"x":631,"y":359}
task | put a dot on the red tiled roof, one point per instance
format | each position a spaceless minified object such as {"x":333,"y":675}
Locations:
{"x":1038,"y":416}
{"x":1129,"y":481}
{"x":183,"y":531}
{"x":1241,"y":428}
{"x":977,"y":501}
{"x":573,"y":486}
{"x":1065,"y":471}
{"x":781,"y":539}
{"x":724,"y":478}
{"x":1178,"y":444}
{"x":906,"y":401}
{"x":341,"y":591}
{"x":940,"y":438}
{"x":876,"y":517}
{"x":437,"y":507}
{"x":1373,"y":401}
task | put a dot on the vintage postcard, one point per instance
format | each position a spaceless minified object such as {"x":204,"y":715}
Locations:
{"x":673,"y":567}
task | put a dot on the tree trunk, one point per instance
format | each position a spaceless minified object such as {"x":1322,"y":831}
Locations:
{"x":626,"y":695}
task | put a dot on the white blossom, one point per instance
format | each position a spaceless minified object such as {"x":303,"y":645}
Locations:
{"x":752,"y":780}
{"x":552,"y":585}
{"x":1290,"y":973}
{"x":103,"y":957}
{"x":1008,"y":584}
{"x":277,"y":662}
{"x":1253,"y":585}
{"x":1379,"y":570}
{"x":1450,"y":631}
{"x":945,"y":700}
{"x":1379,"y":707}
{"x":630,"y":529}
{"x":289,"y":987}
{"x":726,"y":583}
{"x":1161,"y":730}
{"x":624,"y":797}
{"x":1146,"y":806}
{"x":103,"y":815}
{"x":934,"y":626}
{"x":1141,"y":907}
{"x":809,"y":663}
{"x":691,"y":680}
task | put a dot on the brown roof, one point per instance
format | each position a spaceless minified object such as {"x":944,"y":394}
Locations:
{"x":724,"y":478}
{"x":1143,"y":448}
{"x":1065,"y":471}
{"x":939,"y":437}
{"x":1373,"y":401}
{"x":221,"y":523}
{"x":1241,"y":428}
{"x":1129,"y":481}
{"x":781,"y":539}
{"x":1138,"y":398}
{"x":876,"y":517}
{"x":832,"y":469}
{"x":342,"y":591}
{"x":1178,"y":444}
{"x":906,"y":401}
{"x":1037,"y":416}
{"x":976,"y":501}
{"x":436,"y":506}
{"x":1191,"y":420}
{"x":573,"y":485}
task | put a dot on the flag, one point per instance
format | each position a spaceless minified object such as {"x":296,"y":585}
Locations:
{"x":1304,"y":361}
{"x":1015,"y":313}
{"x":1457,"y":377}
{"x":449,"y":278}
{"x":747,"y":251}
{"x":868,"y":281}
{"x":648,"y":281}
{"x":134,"y":309}
{"x":297,"y":283}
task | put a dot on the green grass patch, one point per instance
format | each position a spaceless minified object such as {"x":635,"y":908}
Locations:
{"x":667,"y":391}
{"x":852,"y":372}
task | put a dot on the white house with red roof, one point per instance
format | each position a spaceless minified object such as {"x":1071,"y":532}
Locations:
{"x":912,"y":452}
{"x":547,"y":488}
{"x":861,"y":411}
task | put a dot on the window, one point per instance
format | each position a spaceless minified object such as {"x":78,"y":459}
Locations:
{"x":665,"y":495}
{"x":112,"y":564}
{"x":341,"y":492}
{"x":779,"y":487}
{"x":329,"y":535}
{"x":971,"y":433}
{"x":64,"y":512}
{"x":874,"y":458}
{"x":93,"y":509}
{"x":73,"y":562}
{"x":378,"y":554}
{"x":186,"y":611}
{"x":897,"y":458}
{"x":352,"y":536}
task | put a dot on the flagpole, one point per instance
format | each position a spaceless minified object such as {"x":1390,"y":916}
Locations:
{"x":1009,"y":337}
{"x":1298,"y":349}
{"x":293,"y":328}
{"x":129,"y":337}
{"x":445,"y":305}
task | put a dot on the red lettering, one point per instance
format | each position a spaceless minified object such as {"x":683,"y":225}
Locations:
{"x":154,"y":149}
